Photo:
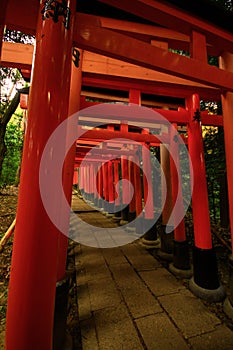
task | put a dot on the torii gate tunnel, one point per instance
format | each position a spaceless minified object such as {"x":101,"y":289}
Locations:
{"x":113,"y":51}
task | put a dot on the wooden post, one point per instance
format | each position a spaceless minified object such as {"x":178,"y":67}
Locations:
{"x":30,"y":313}
{"x":181,"y":261}
{"x":166,"y":249}
{"x":204,"y":283}
{"x":68,"y":169}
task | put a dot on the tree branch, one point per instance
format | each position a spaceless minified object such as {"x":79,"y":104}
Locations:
{"x":13,"y":106}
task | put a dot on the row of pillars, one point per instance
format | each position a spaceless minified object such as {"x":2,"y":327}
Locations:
{"x":205,"y":282}
{"x":39,"y":250}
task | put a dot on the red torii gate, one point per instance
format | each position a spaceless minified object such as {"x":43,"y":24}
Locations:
{"x":39,"y":248}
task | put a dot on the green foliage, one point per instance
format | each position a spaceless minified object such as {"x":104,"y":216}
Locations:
{"x":17,"y":37}
{"x":215,"y":166}
{"x":8,"y":103}
{"x":14,"y":143}
{"x":224,"y":4}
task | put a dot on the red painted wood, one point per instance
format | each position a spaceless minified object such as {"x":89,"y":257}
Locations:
{"x":132,"y":205}
{"x":201,"y":218}
{"x":135,"y":96}
{"x":179,"y":231}
{"x":198,"y":48}
{"x":24,"y":101}
{"x":156,"y":88}
{"x":22,"y":15}
{"x":116,"y":181}
{"x":125,"y":176}
{"x":166,"y":184}
{"x":68,"y":169}
{"x":100,"y":182}
{"x":118,"y":46}
{"x":35,"y":252}
{"x":102,"y":135}
{"x":170,"y":16}
{"x":105,"y":181}
{"x":147,"y":183}
{"x":138,"y":186}
{"x":75,"y":177}
{"x":110,"y":182}
{"x":81,"y":178}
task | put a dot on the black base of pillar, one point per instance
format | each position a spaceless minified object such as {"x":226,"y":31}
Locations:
{"x":181,"y":257}
{"x":117,"y":213}
{"x":60,"y":314}
{"x":109,"y":208}
{"x":228,"y":304}
{"x":139,"y":225}
{"x":91,"y":197}
{"x":181,"y":260}
{"x":167,"y":241}
{"x":131,"y":223}
{"x":131,"y":216}
{"x":150,"y":238}
{"x":96,"y":202}
{"x":100,"y":203}
{"x":205,"y":283}
{"x":125,"y":215}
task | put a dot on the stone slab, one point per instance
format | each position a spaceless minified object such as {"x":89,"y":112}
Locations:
{"x":84,"y":302}
{"x":88,"y":334}
{"x":103,"y":294}
{"x":159,"y":333}
{"x":93,"y":262}
{"x":221,"y":338}
{"x":115,"y":329}
{"x":139,"y":257}
{"x":161,"y":282}
{"x":188,"y":313}
{"x":134,"y":291}
{"x":113,"y":256}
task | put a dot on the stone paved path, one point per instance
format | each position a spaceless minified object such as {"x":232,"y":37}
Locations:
{"x":128,"y":300}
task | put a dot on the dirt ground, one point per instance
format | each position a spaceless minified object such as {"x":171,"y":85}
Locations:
{"x":8,"y":205}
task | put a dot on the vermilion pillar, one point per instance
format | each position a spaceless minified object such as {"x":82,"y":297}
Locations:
{"x":117,"y":194}
{"x":110,"y":187}
{"x":166,"y":250}
{"x":95,"y":184}
{"x":91,"y":181}
{"x":150,"y":239}
{"x":105,"y":184}
{"x":68,"y":169}
{"x":147,"y":183}
{"x":88,"y":181}
{"x":181,"y":260}
{"x":80,"y":180}
{"x":226,"y":62}
{"x":75,"y":177}
{"x":132,"y":204}
{"x":100,"y":186}
{"x":30,"y":313}
{"x":138,"y":186}
{"x":125,"y":189}
{"x":205,"y":282}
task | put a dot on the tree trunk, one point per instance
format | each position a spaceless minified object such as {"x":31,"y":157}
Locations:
{"x":2,"y":145}
{"x":4,"y":119}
